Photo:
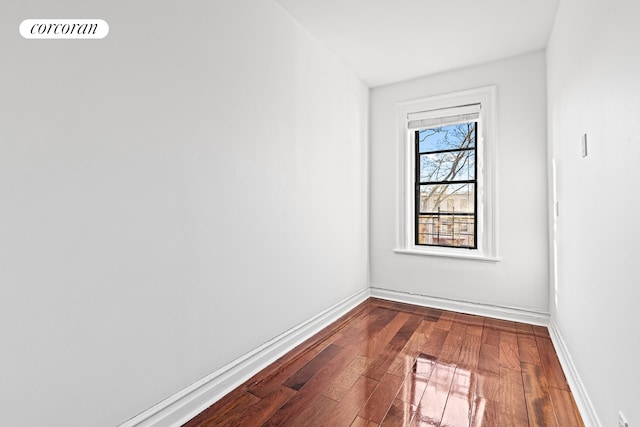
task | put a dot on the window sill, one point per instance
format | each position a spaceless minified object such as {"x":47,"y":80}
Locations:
{"x":455,"y":255}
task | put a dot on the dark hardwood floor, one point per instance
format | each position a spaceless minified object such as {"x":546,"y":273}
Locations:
{"x":391,"y":364}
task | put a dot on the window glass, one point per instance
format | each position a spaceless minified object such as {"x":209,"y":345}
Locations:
{"x":445,"y":186}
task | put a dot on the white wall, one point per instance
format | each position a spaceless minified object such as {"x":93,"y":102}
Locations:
{"x":171,"y":197}
{"x":520,"y":279}
{"x":594,"y":88}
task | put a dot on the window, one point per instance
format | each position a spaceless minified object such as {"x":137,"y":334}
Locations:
{"x":445,"y":168}
{"x":446,"y":193}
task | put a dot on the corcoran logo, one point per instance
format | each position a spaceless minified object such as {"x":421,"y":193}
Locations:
{"x":64,"y":29}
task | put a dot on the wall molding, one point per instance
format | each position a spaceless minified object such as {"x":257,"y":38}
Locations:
{"x":189,"y":402}
{"x":498,"y":312}
{"x":588,"y":412}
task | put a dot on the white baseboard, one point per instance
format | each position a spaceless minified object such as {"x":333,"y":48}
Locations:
{"x":187,"y":403}
{"x":498,"y":312}
{"x":588,"y":412}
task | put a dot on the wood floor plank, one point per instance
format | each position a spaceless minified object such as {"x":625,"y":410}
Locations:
{"x":400,"y":414}
{"x":341,"y":385}
{"x":361,"y":422}
{"x":524,"y":328}
{"x":485,"y":413}
{"x":260,"y":412}
{"x":435,"y":340}
{"x":312,"y":388}
{"x":405,"y":360}
{"x":381,"y":364}
{"x":474,"y":323}
{"x":565,"y":408}
{"x":424,"y":312}
{"x":304,"y":374}
{"x":489,"y":358}
{"x":376,"y":343}
{"x":446,"y":320}
{"x":551,"y":364}
{"x":508,"y":336}
{"x":378,"y":319}
{"x":509,"y":355}
{"x":354,"y":315}
{"x":380,"y":401}
{"x":434,"y":399}
{"x":488,"y":385}
{"x":457,"y":411}
{"x":540,"y":331}
{"x":536,"y":393}
{"x":274,"y":379}
{"x":426,"y":326}
{"x":362,"y":322}
{"x":501,"y":325}
{"x":348,"y":409}
{"x":348,"y":335}
{"x":432,"y":315}
{"x":452,"y":345}
{"x":528,"y":349}
{"x":264,"y":375}
{"x":316,"y":413}
{"x":513,"y":407}
{"x":215,"y":409}
{"x":506,"y":325}
{"x":413,"y":388}
{"x":232,"y":412}
{"x":469,"y":352}
{"x":490,"y":335}
{"x":423,"y":365}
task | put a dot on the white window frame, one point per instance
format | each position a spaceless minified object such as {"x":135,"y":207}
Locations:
{"x":487,"y":230}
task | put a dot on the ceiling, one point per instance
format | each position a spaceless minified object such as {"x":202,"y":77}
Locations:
{"x":386,"y":41}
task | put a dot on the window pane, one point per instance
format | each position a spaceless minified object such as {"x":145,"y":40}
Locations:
{"x":446,"y":230}
{"x":453,"y":166}
{"x":448,"y":198}
{"x":449,"y":137}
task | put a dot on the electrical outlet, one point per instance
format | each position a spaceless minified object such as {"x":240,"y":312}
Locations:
{"x":622,"y":421}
